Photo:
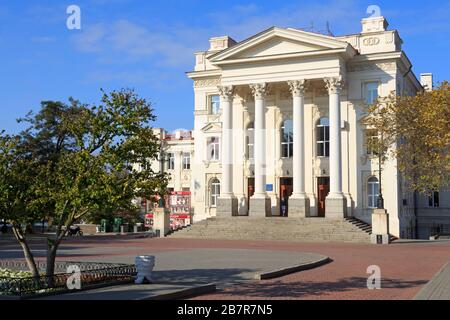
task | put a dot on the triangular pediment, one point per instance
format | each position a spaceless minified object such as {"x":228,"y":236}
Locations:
{"x":212,"y":127}
{"x":279,"y":41}
{"x":277,"y":45}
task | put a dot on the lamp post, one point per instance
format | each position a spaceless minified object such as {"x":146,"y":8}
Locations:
{"x":380,"y":201}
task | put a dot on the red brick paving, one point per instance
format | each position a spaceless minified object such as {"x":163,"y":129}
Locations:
{"x":405,"y":268}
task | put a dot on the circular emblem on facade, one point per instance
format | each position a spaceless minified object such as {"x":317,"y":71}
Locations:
{"x":372,"y":41}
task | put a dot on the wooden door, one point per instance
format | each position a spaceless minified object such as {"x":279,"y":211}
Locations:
{"x":250,"y":190}
{"x":286,"y":189}
{"x":323,"y":188}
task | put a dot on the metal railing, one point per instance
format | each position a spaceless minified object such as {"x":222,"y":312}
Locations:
{"x":91,"y":275}
{"x":439,"y":230}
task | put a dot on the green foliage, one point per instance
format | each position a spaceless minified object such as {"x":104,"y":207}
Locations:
{"x":75,"y":160}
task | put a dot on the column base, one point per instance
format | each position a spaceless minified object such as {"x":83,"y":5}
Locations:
{"x":298,"y":206}
{"x":380,"y":227}
{"x":380,"y":239}
{"x":260,"y":207}
{"x":335,"y":207}
{"x":227,"y":207}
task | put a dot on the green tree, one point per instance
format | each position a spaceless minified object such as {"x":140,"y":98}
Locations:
{"x":84,"y":159}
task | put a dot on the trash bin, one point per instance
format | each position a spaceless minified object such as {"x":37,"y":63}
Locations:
{"x":103,"y":225}
{"x":117,"y":224}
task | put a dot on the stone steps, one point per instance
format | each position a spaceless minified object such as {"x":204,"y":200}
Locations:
{"x":276,"y":228}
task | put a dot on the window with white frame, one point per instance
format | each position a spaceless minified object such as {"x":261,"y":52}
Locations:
{"x":215,"y":192}
{"x":213,"y":149}
{"x":323,"y":137}
{"x":214,"y":104}
{"x":371,"y":92}
{"x":186,"y":161}
{"x":433,"y":200}
{"x":171,"y":161}
{"x":287,"y":139}
{"x":372,"y":192}
{"x":250,"y":141}
{"x":371,"y":137}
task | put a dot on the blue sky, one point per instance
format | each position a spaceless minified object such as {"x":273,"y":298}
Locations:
{"x":149,"y":45}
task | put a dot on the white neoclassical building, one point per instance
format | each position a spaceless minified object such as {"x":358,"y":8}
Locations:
{"x":278,"y":132}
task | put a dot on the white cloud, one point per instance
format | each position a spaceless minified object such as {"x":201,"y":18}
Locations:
{"x":169,"y":46}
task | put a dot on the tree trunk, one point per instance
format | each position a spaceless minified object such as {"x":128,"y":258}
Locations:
{"x":26,"y":252}
{"x":52,"y":248}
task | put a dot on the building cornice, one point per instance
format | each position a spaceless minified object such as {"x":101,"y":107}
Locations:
{"x":204,"y":74}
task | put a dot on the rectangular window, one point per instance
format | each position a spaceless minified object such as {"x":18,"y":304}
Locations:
{"x":215,"y":193}
{"x":371,"y":136}
{"x":371,"y":92}
{"x":171,"y":161}
{"x":433,"y":200}
{"x":213,"y":149}
{"x":215,"y":104}
{"x":186,"y":161}
{"x":323,"y":141}
{"x":287,"y":138}
{"x":250,"y":143}
{"x":373,"y":195}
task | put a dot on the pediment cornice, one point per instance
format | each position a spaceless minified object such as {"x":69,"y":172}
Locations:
{"x":307,"y":43}
{"x":212,"y":127}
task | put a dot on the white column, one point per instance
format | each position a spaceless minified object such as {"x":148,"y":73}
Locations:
{"x":226,"y":94}
{"x":297,"y":88}
{"x":334,"y":86}
{"x":259,"y":91}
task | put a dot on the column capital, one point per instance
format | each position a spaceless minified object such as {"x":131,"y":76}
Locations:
{"x":259,"y":90}
{"x":297,"y":87}
{"x":226,"y":92}
{"x":334,"y":84}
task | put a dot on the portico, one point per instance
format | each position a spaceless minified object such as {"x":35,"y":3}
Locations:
{"x":299,"y":204}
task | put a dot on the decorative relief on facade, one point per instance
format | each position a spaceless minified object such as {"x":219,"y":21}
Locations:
{"x":371,"y":41}
{"x":259,"y":90}
{"x":297,"y":87}
{"x":226,"y":92}
{"x":206,"y":83}
{"x":385,"y":66}
{"x":334,"y":84}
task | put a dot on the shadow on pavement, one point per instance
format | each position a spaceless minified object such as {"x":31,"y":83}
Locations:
{"x":279,"y":289}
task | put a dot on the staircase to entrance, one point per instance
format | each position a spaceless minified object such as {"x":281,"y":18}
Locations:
{"x":279,"y":228}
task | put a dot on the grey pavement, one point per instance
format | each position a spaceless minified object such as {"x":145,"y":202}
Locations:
{"x":438,"y":288}
{"x":221,"y":266}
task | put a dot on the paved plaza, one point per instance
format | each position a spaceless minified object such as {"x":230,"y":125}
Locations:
{"x":406,"y":267}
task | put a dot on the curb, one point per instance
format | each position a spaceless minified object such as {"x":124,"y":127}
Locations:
{"x":293,"y":269}
{"x":185,"y":293}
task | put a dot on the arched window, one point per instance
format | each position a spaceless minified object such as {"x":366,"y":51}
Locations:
{"x":287,"y":138}
{"x":372,"y":192}
{"x":250,"y":141}
{"x":323,"y":137}
{"x":215,"y":192}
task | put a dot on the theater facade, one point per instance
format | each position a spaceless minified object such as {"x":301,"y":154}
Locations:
{"x":278,"y":128}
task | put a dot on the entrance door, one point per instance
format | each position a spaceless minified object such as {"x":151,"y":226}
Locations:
{"x":285,"y":192}
{"x":250,"y":191}
{"x":323,"y":188}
